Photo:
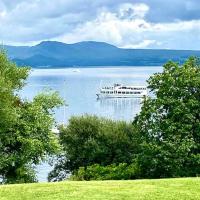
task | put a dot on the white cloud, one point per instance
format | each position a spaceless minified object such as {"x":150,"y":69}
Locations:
{"x":140,"y":45}
{"x":132,"y":11}
{"x":118,"y":28}
{"x":2,"y":14}
{"x":133,"y":31}
{"x":122,"y":24}
{"x":35,"y":20}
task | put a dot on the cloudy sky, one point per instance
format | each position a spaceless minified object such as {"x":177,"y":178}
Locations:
{"x":169,"y":24}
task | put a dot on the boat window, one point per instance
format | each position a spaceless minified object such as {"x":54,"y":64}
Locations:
{"x":119,"y":92}
{"x":127,"y":92}
{"x":138,"y":88}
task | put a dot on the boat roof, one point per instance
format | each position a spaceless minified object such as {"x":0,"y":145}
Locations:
{"x":127,"y":86}
{"x":131,"y":85}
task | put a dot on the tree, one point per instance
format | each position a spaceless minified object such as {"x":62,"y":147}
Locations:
{"x":169,"y":122}
{"x":89,"y":140}
{"x":25,"y":126}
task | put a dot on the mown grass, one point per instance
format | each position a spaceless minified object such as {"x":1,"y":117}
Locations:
{"x":162,"y":189}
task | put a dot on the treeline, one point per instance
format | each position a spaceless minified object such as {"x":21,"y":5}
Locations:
{"x":162,"y":141}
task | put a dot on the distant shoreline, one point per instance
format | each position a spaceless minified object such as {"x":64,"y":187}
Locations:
{"x":90,"y":67}
{"x":54,"y":54}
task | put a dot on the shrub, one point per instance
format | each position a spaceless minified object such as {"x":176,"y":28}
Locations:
{"x":89,"y":140}
{"x":122,"y":171}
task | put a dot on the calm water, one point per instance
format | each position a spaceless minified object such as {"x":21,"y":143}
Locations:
{"x":79,"y":88}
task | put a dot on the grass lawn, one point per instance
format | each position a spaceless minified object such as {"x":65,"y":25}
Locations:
{"x":169,"y":189}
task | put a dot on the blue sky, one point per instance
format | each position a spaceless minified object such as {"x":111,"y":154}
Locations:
{"x":168,"y":24}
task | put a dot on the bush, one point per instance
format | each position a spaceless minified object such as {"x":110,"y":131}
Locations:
{"x":122,"y":171}
{"x":89,"y":140}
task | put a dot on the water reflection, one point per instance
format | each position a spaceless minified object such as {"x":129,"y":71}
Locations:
{"x":120,"y":108}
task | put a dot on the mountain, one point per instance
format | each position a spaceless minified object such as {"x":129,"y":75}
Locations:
{"x":58,"y":54}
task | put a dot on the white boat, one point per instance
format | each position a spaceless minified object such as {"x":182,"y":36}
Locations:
{"x":76,"y":70}
{"x":122,"y":91}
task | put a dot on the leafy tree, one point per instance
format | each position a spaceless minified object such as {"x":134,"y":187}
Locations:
{"x":122,"y":171}
{"x":25,"y":126}
{"x":169,"y":122}
{"x":89,"y":140}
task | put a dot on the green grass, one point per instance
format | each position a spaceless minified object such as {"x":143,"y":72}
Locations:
{"x":162,"y":189}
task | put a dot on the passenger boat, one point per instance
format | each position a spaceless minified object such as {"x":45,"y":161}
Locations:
{"x":122,"y":91}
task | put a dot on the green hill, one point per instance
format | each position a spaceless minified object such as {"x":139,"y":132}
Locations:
{"x":161,"y":189}
{"x":57,"y":54}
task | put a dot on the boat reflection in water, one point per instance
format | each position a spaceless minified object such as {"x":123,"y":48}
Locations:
{"x":119,"y":108}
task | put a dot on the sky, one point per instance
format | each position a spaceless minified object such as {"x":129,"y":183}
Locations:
{"x":159,"y":24}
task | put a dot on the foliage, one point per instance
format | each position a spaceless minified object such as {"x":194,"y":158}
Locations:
{"x":123,"y":171}
{"x":169,"y":122}
{"x":89,"y":140}
{"x":25,"y":126}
